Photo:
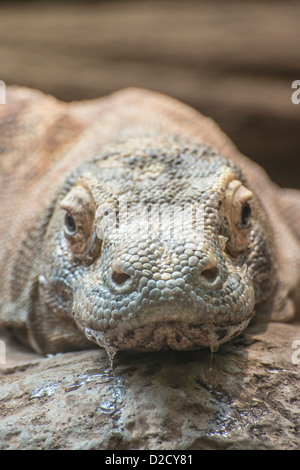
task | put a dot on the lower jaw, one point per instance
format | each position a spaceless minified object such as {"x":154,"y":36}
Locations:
{"x":167,"y":335}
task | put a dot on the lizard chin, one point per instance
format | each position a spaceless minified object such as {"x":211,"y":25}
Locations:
{"x":162,"y":336}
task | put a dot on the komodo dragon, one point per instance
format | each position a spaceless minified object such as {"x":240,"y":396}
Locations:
{"x":133,"y":222}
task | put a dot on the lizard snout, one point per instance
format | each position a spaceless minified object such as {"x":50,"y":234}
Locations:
{"x":120,"y":281}
{"x":120,"y":278}
{"x":165,"y":272}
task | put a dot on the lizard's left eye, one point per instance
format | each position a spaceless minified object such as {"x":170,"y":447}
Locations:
{"x":238,"y":212}
{"x":246,"y":214}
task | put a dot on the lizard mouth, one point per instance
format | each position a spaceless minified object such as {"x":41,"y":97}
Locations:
{"x":179,"y":322}
{"x":162,"y":336}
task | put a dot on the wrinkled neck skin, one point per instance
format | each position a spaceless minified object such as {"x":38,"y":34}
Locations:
{"x":157,"y":246}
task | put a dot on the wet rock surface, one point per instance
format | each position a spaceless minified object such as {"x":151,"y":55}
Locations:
{"x":245,"y":396}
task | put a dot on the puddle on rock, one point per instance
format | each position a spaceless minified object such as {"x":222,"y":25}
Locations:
{"x":115,"y":393}
{"x":112,"y":392}
{"x":45,"y":391}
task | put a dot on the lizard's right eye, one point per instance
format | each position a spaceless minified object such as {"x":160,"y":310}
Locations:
{"x":70,"y":224}
{"x":79,"y":224}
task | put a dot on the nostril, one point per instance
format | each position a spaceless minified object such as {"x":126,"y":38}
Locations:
{"x":210,"y":274}
{"x":120,"y":278}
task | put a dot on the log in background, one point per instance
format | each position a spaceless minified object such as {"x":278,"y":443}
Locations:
{"x":234,"y":61}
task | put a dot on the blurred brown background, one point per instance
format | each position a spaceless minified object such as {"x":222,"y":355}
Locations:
{"x":234,"y":61}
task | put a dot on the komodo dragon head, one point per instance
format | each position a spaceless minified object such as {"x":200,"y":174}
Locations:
{"x":157,"y":244}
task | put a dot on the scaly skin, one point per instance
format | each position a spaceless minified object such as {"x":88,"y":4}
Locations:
{"x":155,"y":238}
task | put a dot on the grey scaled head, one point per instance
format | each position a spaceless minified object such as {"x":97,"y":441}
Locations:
{"x":160,"y":245}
